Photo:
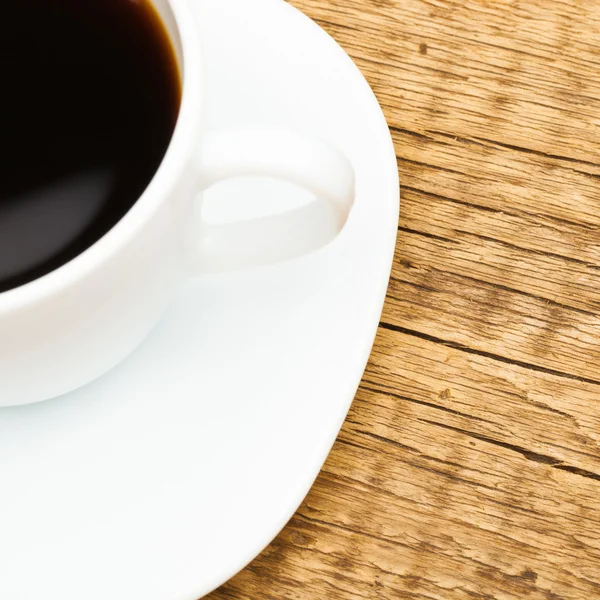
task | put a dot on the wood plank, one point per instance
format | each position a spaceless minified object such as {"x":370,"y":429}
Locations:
{"x":452,"y":295}
{"x":527,"y":75}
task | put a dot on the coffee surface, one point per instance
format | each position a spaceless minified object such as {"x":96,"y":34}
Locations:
{"x":90,"y":94}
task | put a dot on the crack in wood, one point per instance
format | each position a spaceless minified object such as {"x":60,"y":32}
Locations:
{"x":517,"y":214}
{"x":484,"y":354}
{"x":570,"y":259}
{"x":431,"y":236}
{"x":528,"y":454}
{"x":391,"y":394}
{"x":487,"y":142}
{"x":499,"y":286}
{"x":429,"y":166}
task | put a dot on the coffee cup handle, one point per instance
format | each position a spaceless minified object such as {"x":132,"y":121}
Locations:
{"x":307,"y":161}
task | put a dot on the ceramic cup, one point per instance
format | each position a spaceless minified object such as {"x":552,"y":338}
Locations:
{"x":69,"y":327}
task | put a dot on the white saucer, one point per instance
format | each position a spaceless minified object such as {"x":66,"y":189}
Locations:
{"x":163,"y":479}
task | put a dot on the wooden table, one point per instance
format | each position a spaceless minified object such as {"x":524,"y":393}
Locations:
{"x":469,"y":466}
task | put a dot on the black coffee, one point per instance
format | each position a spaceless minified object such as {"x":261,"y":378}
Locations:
{"x":89,"y":97}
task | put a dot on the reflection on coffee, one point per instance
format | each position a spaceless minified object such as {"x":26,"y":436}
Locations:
{"x":90,"y":97}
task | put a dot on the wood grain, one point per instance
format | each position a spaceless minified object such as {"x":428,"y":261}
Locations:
{"x":469,"y":466}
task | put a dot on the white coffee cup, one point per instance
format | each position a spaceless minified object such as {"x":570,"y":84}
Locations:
{"x":69,"y":327}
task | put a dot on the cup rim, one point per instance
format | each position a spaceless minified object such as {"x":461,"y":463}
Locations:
{"x":175,"y":162}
